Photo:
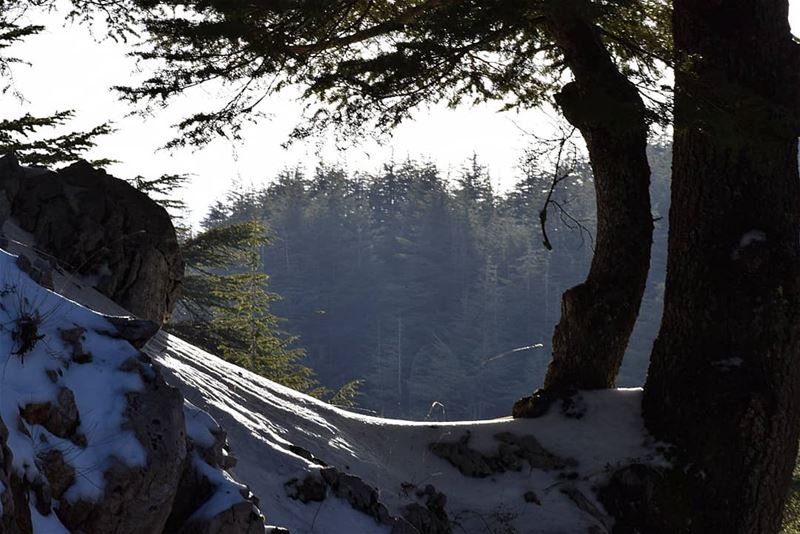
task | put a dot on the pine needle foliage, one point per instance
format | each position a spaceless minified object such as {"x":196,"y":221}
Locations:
{"x":367,"y":65}
{"x":164,"y":190}
{"x":27,"y":136}
{"x":243,"y":332}
{"x":21,"y":137}
{"x":225,"y":309}
{"x":225,"y":304}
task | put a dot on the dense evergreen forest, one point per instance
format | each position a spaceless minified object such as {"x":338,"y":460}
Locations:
{"x":436,"y":291}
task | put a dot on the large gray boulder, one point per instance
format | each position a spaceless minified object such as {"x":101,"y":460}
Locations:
{"x":100,"y":228}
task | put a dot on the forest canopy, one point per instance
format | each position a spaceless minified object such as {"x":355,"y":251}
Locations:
{"x":434,"y":291}
{"x":366,"y":66}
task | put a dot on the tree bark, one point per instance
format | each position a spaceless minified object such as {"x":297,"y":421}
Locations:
{"x":723,"y":384}
{"x":597,"y":316}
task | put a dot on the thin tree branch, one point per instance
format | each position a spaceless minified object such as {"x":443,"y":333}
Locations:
{"x":395,"y":24}
{"x":558,"y":177}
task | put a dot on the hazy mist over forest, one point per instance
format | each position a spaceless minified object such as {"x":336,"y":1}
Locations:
{"x":439,"y":295}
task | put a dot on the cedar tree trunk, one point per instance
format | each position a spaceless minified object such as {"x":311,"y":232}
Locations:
{"x":724,"y":380}
{"x":597,"y":316}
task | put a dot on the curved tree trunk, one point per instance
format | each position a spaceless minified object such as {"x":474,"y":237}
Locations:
{"x":724,"y":381}
{"x":597,"y":316}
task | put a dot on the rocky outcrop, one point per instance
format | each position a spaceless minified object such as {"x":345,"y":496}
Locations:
{"x":155,"y":416}
{"x":101,"y":228}
{"x":15,"y":516}
{"x":513,"y":452}
{"x":240,"y":518}
{"x":201,"y":480}
{"x":427,"y":516}
{"x":92,"y":438}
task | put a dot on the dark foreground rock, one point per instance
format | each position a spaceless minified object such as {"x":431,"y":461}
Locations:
{"x":513,"y":452}
{"x":425,"y":517}
{"x":639,"y":495}
{"x":101,"y":228}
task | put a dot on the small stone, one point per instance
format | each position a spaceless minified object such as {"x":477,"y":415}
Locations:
{"x":59,"y":474}
{"x":44,"y":497}
{"x":40,"y":271}
{"x":530,"y":496}
{"x":36,"y":413}
{"x":80,"y":440}
{"x":303,"y":453}
{"x":131,"y":365}
{"x":310,"y":489}
{"x":528,"y":448}
{"x":330,"y":475}
{"x":240,"y":518}
{"x":533,"y":406}
{"x":60,"y":419}
{"x":83,"y":357}
{"x":73,"y":337}
{"x":469,"y":461}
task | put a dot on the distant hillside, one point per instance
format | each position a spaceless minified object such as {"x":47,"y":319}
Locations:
{"x":438,"y":293}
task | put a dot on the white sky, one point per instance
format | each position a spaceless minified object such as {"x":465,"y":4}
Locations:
{"x":70,"y":70}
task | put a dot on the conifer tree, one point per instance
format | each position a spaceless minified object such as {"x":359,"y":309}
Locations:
{"x":25,"y":135}
{"x":372,"y":282}
{"x":723,"y":383}
{"x":366,"y":66}
{"x":225,"y":307}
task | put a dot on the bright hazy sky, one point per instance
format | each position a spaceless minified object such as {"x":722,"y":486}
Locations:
{"x":70,"y":70}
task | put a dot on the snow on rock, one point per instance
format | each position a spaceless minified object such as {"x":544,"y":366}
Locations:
{"x":92,"y":439}
{"x":319,"y":469}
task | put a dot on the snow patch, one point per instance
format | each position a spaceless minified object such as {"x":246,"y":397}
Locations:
{"x":36,"y":367}
{"x":199,"y":425}
{"x":46,"y":524}
{"x":227,"y":492}
{"x":753,"y":236}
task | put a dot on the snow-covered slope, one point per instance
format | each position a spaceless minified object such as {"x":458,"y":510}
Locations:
{"x":34,"y":373}
{"x":91,"y":437}
{"x":273,"y":429}
{"x":315,"y":468}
